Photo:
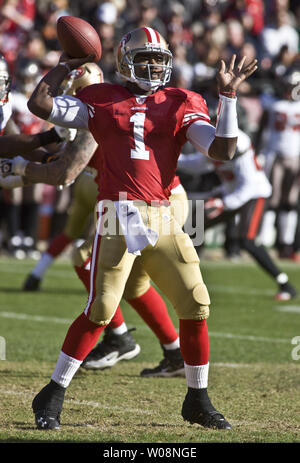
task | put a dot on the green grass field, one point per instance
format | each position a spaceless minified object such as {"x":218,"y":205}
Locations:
{"x":254,"y":367}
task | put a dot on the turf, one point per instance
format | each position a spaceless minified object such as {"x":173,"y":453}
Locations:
{"x":254,"y":367}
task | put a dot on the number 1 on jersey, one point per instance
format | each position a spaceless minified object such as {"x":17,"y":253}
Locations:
{"x":140,"y":151}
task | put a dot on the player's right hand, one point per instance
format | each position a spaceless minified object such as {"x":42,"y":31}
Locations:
{"x":75,"y":63}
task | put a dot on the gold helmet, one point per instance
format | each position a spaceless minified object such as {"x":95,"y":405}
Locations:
{"x":87,"y":74}
{"x":143,"y":40}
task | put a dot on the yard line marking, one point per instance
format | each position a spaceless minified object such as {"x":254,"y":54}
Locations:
{"x":42,"y":318}
{"x":247,"y":337}
{"x":88,"y":403}
{"x":240,"y":290}
{"x":288,"y":308}
{"x":35,"y":318}
{"x":19,"y":270}
{"x":232,"y":365}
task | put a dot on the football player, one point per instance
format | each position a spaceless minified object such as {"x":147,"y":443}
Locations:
{"x":145,"y":300}
{"x":280,"y":132}
{"x":242,"y":193}
{"x":140,"y":126}
{"x":12,"y":142}
{"x":84,"y":190}
{"x":117,"y":344}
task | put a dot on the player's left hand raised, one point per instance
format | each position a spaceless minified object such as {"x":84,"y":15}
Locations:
{"x":230,"y":78}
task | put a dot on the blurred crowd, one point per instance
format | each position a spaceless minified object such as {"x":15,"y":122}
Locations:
{"x":199,"y":33}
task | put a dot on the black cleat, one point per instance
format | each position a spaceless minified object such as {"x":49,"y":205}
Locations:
{"x":195,"y":410}
{"x":286,"y":292}
{"x":47,"y":406}
{"x":32,"y":283}
{"x":112,"y":349}
{"x":171,"y":365}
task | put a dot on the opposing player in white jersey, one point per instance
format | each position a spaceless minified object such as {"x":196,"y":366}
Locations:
{"x":281,"y":148}
{"x":12,"y":142}
{"x":5,"y":100}
{"x":243,"y":192}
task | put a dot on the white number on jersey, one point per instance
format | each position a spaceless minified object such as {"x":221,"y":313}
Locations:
{"x":140,"y":151}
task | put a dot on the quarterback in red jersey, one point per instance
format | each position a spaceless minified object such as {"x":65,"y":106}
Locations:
{"x":141,"y":126}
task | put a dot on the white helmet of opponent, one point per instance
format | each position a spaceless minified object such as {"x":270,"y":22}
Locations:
{"x":5,"y":80}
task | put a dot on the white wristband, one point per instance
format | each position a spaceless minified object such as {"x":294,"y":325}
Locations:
{"x":227,"y":124}
{"x":19,"y":165}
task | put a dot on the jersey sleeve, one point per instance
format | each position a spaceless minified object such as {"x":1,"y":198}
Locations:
{"x":195,"y":123}
{"x":195,"y":109}
{"x":68,"y":111}
{"x":95,"y":94}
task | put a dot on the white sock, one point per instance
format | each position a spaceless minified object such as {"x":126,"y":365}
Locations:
{"x":65,"y":369}
{"x":282,"y":278}
{"x":43,"y":264}
{"x":287,"y":226}
{"x":196,"y":376}
{"x":173,"y":345}
{"x":267,"y":234}
{"x":121,"y":329}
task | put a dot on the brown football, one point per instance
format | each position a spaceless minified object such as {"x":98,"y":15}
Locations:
{"x":78,"y":38}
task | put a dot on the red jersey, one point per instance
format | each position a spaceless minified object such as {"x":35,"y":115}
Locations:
{"x":176,"y":182}
{"x":140,"y":138}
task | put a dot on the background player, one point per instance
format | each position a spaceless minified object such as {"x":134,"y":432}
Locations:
{"x":84,"y":192}
{"x":12,"y":143}
{"x":278,"y":139}
{"x":242,"y":193}
{"x":118,"y":343}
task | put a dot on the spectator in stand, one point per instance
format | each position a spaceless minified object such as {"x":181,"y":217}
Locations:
{"x":250,"y":13}
{"x":178,"y":30}
{"x":279,"y":32}
{"x":147,"y":14}
{"x":16,"y":21}
{"x":48,"y":20}
{"x":297,"y":18}
{"x":106,"y":16}
{"x":182,"y":69}
{"x":235,"y":37}
{"x":34,"y":47}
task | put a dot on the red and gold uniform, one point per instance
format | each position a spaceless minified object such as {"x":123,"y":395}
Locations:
{"x":140,"y":140}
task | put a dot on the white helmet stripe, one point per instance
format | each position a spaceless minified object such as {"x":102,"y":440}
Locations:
{"x":152,"y":35}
